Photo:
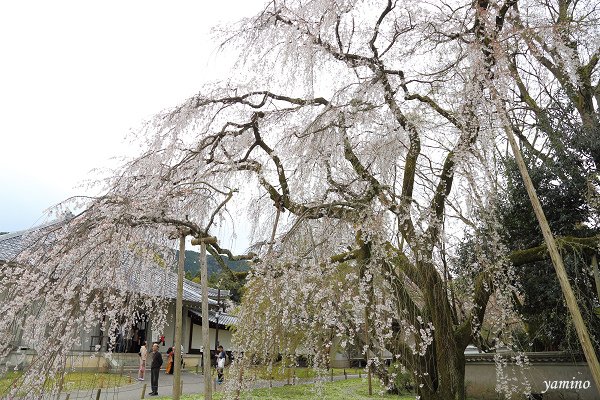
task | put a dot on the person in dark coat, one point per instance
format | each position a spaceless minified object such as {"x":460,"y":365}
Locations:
{"x":157,"y":362}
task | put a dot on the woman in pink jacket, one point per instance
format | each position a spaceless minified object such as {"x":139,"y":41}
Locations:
{"x":143,"y":355}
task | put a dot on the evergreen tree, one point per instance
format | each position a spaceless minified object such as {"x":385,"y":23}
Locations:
{"x":563,"y":196}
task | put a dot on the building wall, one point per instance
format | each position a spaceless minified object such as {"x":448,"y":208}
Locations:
{"x":169,"y":333}
{"x":341,"y":357}
{"x":85,"y":337}
{"x":480,"y":380}
{"x":546,"y":373}
{"x":224,"y":338}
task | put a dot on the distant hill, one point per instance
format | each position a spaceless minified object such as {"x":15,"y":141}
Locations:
{"x":192,"y":264}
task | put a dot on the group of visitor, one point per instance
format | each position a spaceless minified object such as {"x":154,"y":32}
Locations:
{"x":157,"y":361}
{"x":155,"y":365}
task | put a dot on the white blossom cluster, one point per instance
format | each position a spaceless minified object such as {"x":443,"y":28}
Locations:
{"x":364,"y":140}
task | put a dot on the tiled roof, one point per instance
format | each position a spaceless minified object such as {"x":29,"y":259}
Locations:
{"x":11,"y":244}
{"x":533,"y":357}
{"x":163,"y":282}
{"x":224,"y":319}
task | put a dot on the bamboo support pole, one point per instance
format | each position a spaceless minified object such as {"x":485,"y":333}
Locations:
{"x":367,"y":340}
{"x":205,"y":332}
{"x":571,"y":301}
{"x":596,"y":274}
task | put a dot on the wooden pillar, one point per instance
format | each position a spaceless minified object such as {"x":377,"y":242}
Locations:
{"x":191,"y":333}
{"x":218,"y":312}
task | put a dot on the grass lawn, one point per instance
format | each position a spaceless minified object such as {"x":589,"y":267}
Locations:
{"x":280,"y":374}
{"x":355,"y":389}
{"x":73,"y":381}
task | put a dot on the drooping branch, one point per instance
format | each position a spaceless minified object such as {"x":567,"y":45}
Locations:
{"x":444,"y":186}
{"x":263,"y":95}
{"x":410,"y":165}
{"x":228,"y":197}
{"x":354,"y":60}
{"x":586,"y":245}
{"x":436,"y":107}
{"x":384,"y":13}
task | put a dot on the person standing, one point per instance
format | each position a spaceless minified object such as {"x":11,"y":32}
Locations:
{"x":157,"y":362}
{"x":221,"y":357}
{"x":143,"y":356}
{"x":170,"y":357}
{"x":182,"y":363}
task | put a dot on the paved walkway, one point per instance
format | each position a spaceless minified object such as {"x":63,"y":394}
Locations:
{"x":192,"y":384}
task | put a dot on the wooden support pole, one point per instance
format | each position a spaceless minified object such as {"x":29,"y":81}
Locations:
{"x":205,"y":240}
{"x":205,"y":332}
{"x":369,"y":379}
{"x":98,"y":394}
{"x":596,"y":274}
{"x":238,"y":390}
{"x":561,"y":273}
{"x":143,"y":391}
{"x":179,"y":321}
{"x":367,"y":341}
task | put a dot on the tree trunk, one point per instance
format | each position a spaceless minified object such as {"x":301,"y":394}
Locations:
{"x":449,"y":379}
{"x":441,"y":371}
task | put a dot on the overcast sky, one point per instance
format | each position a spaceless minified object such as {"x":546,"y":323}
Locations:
{"x":76,"y":76}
